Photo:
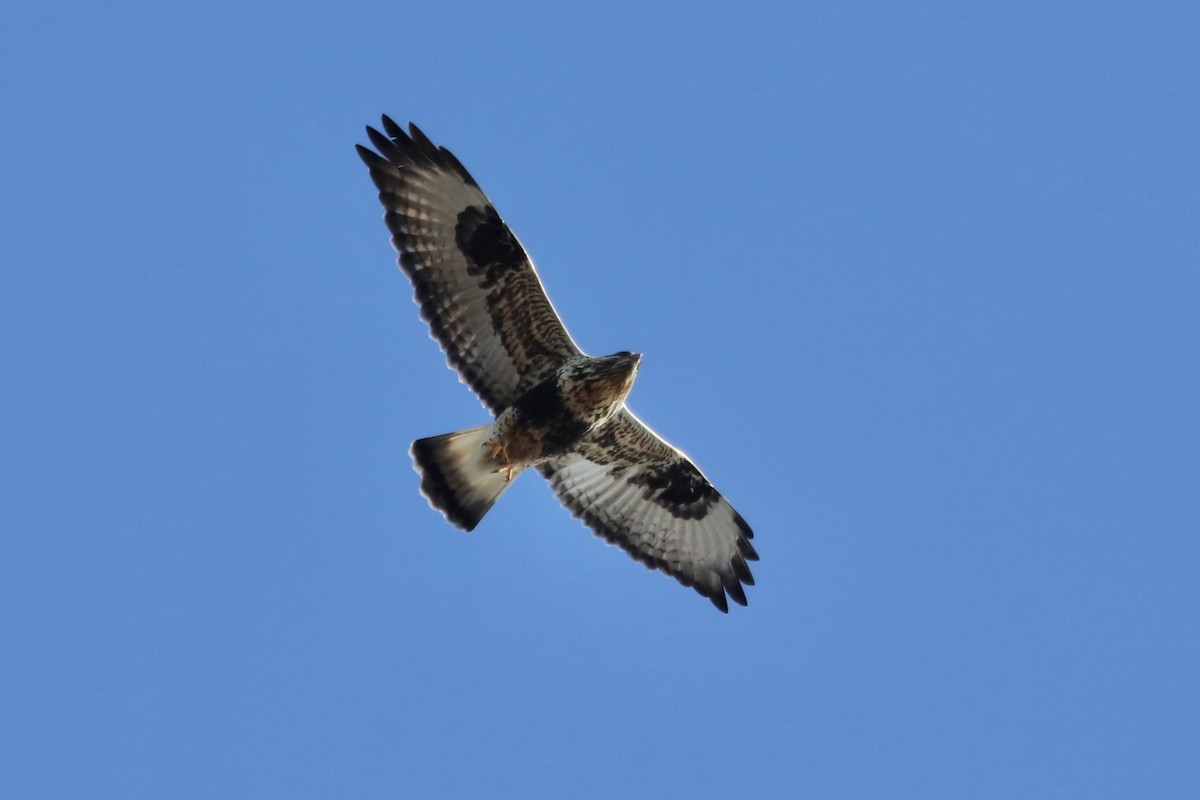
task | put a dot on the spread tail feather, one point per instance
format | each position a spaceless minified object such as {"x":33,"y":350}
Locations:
{"x":457,"y":476}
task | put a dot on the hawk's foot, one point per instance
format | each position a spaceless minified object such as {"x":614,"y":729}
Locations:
{"x":497,"y":454}
{"x":496,"y":451}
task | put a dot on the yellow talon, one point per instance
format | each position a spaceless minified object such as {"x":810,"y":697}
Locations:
{"x":496,"y":451}
{"x":498,"y":454}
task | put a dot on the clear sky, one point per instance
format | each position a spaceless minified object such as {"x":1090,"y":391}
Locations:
{"x":917,"y":285}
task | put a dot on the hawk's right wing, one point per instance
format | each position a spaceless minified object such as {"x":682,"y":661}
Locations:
{"x":476,"y":286}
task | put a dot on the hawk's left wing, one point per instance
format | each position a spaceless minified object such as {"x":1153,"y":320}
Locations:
{"x":637,"y":491}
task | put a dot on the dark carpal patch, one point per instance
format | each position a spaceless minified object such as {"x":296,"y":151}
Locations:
{"x":488,"y":244}
{"x":680,"y":488}
{"x":542,"y":408}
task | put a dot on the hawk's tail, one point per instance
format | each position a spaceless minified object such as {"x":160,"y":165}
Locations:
{"x":457,"y":476}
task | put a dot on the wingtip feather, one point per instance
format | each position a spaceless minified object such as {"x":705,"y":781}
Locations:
{"x":393,"y":130}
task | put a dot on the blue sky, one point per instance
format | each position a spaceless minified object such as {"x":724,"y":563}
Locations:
{"x":917,"y":286}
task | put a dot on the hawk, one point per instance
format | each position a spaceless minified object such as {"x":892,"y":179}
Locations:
{"x":556,"y":408}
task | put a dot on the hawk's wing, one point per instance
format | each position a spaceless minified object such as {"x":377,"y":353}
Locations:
{"x":474,"y":282}
{"x":637,"y":491}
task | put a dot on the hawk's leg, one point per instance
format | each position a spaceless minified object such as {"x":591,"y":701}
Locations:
{"x":498,"y":454}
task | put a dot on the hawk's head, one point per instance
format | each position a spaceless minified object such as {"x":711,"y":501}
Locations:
{"x":617,"y":371}
{"x":595,"y":387}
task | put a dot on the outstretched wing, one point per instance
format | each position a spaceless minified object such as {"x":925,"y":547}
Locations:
{"x":475,"y":284}
{"x":637,"y":491}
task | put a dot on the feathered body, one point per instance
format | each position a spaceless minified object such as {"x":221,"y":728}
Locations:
{"x":556,"y":408}
{"x":465,"y":472}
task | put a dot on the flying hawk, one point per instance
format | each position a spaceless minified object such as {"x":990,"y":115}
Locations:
{"x":556,"y":408}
